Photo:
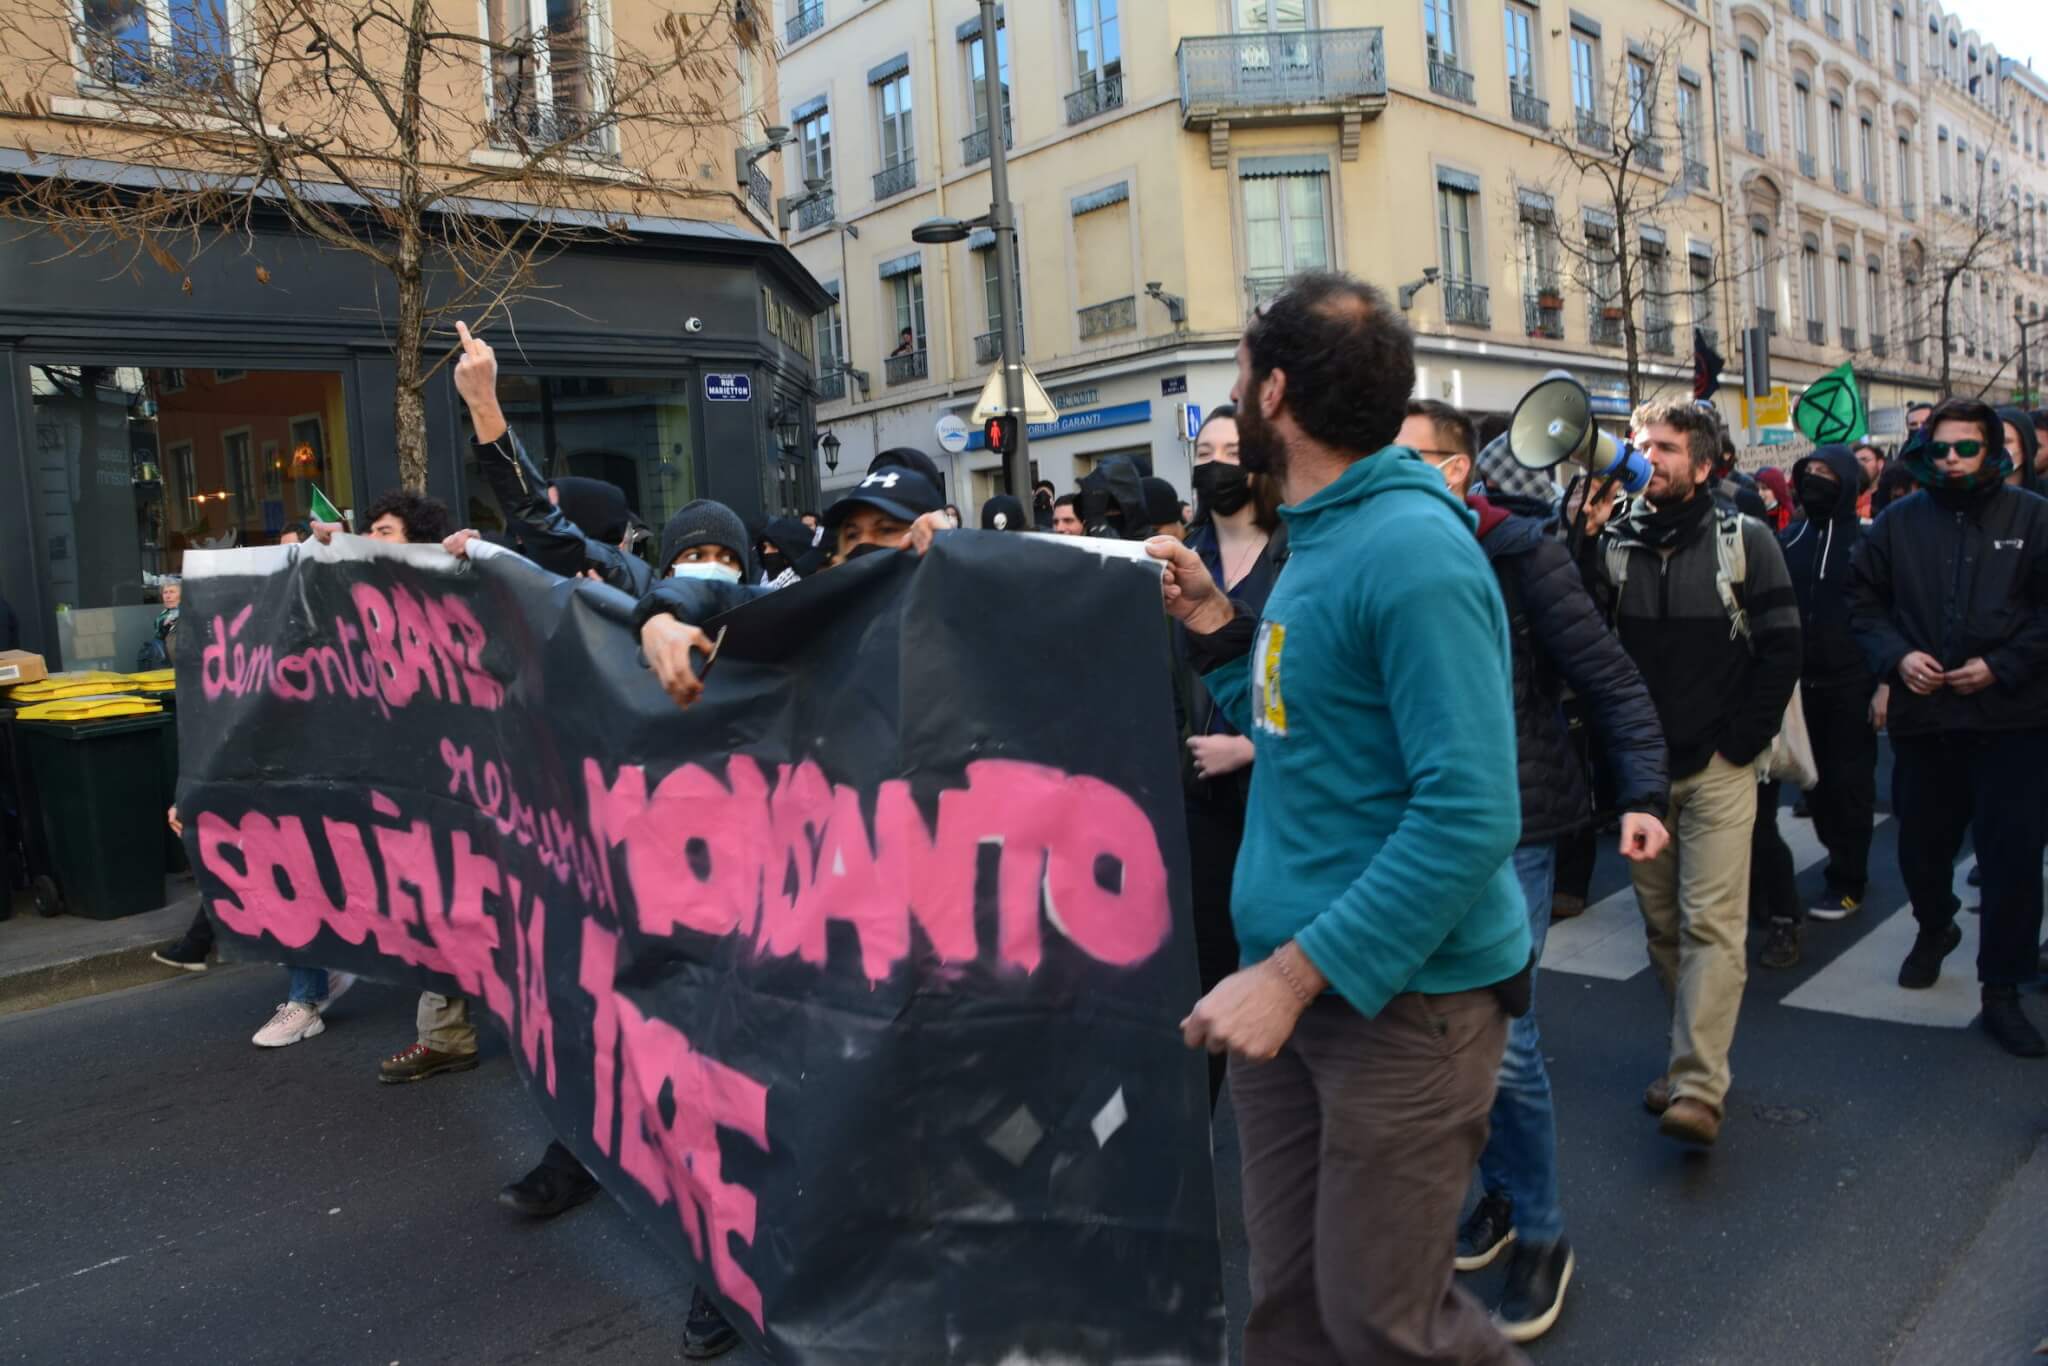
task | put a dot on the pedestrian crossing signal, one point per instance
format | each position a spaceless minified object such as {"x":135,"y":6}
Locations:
{"x":1000,"y":434}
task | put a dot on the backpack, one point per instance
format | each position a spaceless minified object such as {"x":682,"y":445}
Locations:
{"x":1731,"y":568}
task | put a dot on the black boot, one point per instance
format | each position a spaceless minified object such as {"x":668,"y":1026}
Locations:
{"x":558,"y":1184}
{"x":1781,"y":950}
{"x":706,"y":1334}
{"x":1922,"y":967}
{"x":2006,"y":1022}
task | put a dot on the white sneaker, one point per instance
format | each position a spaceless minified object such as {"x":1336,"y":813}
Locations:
{"x":337,"y":982}
{"x":295,"y":1020}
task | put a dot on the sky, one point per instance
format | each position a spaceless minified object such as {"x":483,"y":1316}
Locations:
{"x":2017,"y":28}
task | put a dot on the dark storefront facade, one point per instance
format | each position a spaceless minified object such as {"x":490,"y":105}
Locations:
{"x":140,"y":417}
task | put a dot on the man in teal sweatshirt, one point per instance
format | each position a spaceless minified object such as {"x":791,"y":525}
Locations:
{"x":1382,"y":932}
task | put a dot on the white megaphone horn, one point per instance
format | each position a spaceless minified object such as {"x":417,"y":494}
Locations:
{"x":1553,"y":425}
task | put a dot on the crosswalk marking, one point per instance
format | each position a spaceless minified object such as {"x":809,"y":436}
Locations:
{"x":1864,"y":981}
{"x":1607,"y":939}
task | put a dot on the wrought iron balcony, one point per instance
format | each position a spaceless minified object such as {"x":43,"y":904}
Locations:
{"x":1448,"y":81}
{"x":805,"y":20}
{"x":1816,"y":332}
{"x":1542,"y":319}
{"x":1261,"y":287}
{"x":1863,"y":47}
{"x":894,"y":180}
{"x":1808,"y":167}
{"x":1842,"y":179}
{"x":1910,"y":210}
{"x":988,"y":347}
{"x":523,"y":124}
{"x":1118,"y":315}
{"x":1527,"y":108}
{"x":1767,"y":319}
{"x":1848,"y":339}
{"x":1465,"y":302}
{"x":1242,"y":77}
{"x":1593,"y":133}
{"x":1869,"y":193}
{"x":1833,"y":24}
{"x":1900,"y":71}
{"x":832,"y":384}
{"x":1696,"y":173}
{"x":1878,"y":347}
{"x":1100,"y":95}
{"x":974,"y":147}
{"x":1603,"y":325}
{"x":903,"y":369}
{"x":817,"y":212}
{"x":1657,"y":336}
{"x":1753,"y":139}
{"x":1650,"y":153}
{"x":760,"y":188}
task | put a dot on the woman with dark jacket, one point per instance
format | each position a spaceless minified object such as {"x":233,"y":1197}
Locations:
{"x":1950,"y":606}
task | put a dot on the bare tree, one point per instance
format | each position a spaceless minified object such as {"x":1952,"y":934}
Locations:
{"x":1632,"y":168}
{"x":1942,"y":277}
{"x":456,"y":162}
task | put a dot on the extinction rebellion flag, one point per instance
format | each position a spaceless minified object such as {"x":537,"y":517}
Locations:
{"x":858,"y":983}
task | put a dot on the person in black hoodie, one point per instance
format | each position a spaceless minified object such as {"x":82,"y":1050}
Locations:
{"x":1951,"y":605}
{"x":2022,"y":447}
{"x":1836,"y":681}
{"x":1557,"y":637}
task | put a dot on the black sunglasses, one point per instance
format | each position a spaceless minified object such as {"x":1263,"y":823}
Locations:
{"x":1968,"y":450}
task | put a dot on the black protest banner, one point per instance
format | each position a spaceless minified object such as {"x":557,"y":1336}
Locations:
{"x":858,"y":983}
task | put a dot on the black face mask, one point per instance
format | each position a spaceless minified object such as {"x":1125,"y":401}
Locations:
{"x":774,"y":562}
{"x":1221,"y":488}
{"x":1820,"y":497}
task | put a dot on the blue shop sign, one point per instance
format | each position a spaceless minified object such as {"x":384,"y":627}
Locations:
{"x":729,"y":388}
{"x":1117,"y":415}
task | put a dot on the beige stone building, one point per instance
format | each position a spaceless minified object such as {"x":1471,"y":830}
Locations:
{"x":1173,"y":162}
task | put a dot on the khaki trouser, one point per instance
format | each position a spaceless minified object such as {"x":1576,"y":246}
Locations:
{"x":1695,"y":902}
{"x":444,"y":1023}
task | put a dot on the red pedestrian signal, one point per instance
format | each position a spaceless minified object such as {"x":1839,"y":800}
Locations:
{"x":1000,"y":433}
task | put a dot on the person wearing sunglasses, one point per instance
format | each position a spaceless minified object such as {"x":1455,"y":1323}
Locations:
{"x":1950,"y":606}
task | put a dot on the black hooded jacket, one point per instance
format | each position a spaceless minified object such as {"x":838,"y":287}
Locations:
{"x":546,"y":533}
{"x":2030,"y":444}
{"x":1818,"y":552}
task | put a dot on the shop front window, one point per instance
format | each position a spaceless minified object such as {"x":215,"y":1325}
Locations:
{"x":634,"y":433}
{"x":133,"y":467}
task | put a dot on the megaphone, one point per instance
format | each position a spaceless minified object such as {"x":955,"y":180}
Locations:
{"x":1553,"y":425}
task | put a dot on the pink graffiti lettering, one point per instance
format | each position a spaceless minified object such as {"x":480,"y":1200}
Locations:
{"x":737,"y":857}
{"x":536,"y":1020}
{"x":563,"y":848}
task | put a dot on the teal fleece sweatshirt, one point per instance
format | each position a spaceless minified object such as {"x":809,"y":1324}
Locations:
{"x":1384,"y":802}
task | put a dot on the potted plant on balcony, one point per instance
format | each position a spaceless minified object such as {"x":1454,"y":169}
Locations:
{"x":1549,"y":296}
{"x":1611,"y":313}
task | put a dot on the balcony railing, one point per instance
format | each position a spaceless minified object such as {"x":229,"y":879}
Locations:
{"x":1869,"y":193}
{"x":1650,"y":153}
{"x":1878,"y":346}
{"x":1910,"y":210}
{"x":1603,"y":325}
{"x":1848,"y":339}
{"x":1261,"y":287}
{"x":1900,"y":71}
{"x":1448,"y":81}
{"x":1118,"y":315}
{"x":832,"y":384}
{"x":1542,"y":319}
{"x":817,"y":212}
{"x":1527,"y":108}
{"x":1767,"y":319}
{"x":1595,"y":134}
{"x":1696,"y":173}
{"x":1658,"y":338}
{"x":1284,"y":73}
{"x":1098,"y":96}
{"x":760,"y":188}
{"x":1816,"y":332}
{"x":988,"y":347}
{"x":1833,"y":24}
{"x":894,"y":180}
{"x":804,"y":21}
{"x":1842,"y":179}
{"x":522,"y":123}
{"x":1465,"y":302}
{"x":903,"y":369}
{"x":1863,"y":47}
{"x":1808,"y":167}
{"x":974,"y":147}
{"x":1753,"y":139}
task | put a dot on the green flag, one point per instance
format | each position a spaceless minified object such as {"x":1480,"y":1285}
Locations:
{"x":323,"y":509}
{"x":1831,"y":410}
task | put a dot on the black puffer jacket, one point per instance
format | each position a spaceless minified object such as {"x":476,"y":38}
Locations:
{"x":1559,"y":638}
{"x":1960,"y":577}
{"x":1818,"y":554}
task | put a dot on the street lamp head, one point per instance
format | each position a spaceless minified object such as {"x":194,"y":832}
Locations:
{"x":830,"y":445}
{"x":776,"y":133}
{"x":939,"y":231}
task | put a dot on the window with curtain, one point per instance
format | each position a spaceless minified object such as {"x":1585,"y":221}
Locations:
{"x":1539,"y":251}
{"x":1286,"y":224}
{"x":1455,"y":212}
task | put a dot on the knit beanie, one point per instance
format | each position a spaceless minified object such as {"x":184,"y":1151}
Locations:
{"x":702,"y":522}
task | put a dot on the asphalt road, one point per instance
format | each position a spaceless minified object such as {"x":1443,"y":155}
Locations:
{"x":170,"y":1194}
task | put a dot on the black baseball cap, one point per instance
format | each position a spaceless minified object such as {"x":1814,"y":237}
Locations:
{"x":1003,"y":513}
{"x":899,"y":490}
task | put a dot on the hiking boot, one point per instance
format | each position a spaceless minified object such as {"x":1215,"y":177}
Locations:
{"x":1835,"y":906}
{"x":1537,"y":1276}
{"x":1781,"y":950}
{"x":295,"y":1020}
{"x":1565,"y":905}
{"x":2006,"y":1022}
{"x":1489,"y":1228}
{"x":548,"y":1190}
{"x":1922,"y":967}
{"x":1657,"y":1096}
{"x":188,"y":953}
{"x":706,"y":1334}
{"x":1691,"y":1121}
{"x":419,"y":1062}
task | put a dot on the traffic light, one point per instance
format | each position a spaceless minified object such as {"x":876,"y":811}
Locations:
{"x":1000,"y":434}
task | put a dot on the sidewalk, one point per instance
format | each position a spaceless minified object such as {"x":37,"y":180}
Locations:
{"x":1989,"y":1309}
{"x":44,"y":961}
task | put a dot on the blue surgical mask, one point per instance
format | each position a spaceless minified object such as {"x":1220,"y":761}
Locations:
{"x":706,"y":569}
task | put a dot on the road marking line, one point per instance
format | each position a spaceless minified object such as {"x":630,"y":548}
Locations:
{"x":1865,"y":980}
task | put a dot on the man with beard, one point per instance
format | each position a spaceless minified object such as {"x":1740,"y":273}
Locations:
{"x":1951,"y":605}
{"x":1705,"y":608}
{"x":1377,"y":917}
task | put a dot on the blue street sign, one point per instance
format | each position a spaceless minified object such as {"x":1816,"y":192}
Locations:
{"x":1194,"y":419}
{"x":729,"y":388}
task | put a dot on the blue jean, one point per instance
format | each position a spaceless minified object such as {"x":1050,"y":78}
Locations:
{"x":1520,"y":1157}
{"x":308,"y":985}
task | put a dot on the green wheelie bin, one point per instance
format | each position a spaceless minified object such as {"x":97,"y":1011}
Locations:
{"x":102,"y":790}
